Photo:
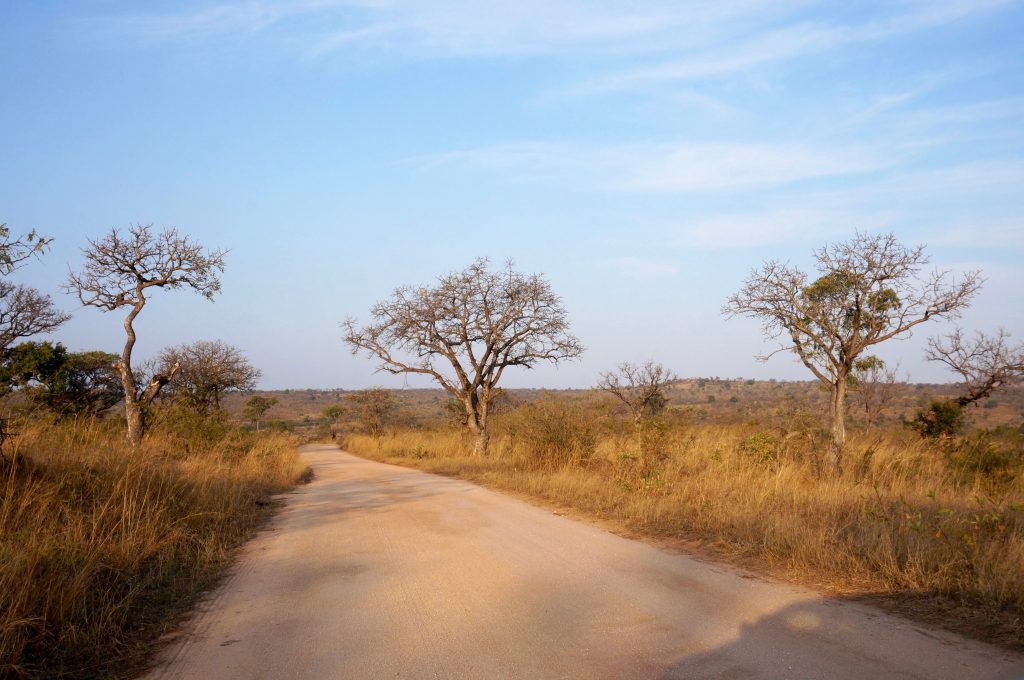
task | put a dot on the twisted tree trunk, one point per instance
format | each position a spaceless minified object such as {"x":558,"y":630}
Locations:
{"x":837,"y":409}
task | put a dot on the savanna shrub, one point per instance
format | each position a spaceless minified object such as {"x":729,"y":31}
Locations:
{"x":940,"y":419}
{"x":552,"y":432}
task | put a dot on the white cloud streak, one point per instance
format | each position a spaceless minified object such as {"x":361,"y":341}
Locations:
{"x":781,"y":44}
{"x":666,"y":167}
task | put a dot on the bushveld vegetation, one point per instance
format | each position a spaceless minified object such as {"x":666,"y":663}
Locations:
{"x":110,"y":526}
{"x":907,"y":510}
{"x":933,"y":524}
{"x":102,"y":543}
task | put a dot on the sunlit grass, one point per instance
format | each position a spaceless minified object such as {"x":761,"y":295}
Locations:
{"x":100,"y":545}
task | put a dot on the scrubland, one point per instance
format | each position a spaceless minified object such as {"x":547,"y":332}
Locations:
{"x":101,"y":546}
{"x":933,"y":528}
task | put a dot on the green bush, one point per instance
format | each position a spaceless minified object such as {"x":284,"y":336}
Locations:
{"x":940,"y":419}
{"x":763,"y":447}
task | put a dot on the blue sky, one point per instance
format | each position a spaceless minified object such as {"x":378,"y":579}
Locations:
{"x":644,"y":155}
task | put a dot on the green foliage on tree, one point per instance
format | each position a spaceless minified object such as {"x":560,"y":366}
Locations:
{"x":941,"y":419}
{"x":70,"y":384}
{"x":333,"y":412}
{"x":256,"y":408}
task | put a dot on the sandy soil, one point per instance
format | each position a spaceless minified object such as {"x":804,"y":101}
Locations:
{"x":375,"y":571}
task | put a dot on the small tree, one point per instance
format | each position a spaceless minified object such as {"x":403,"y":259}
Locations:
{"x":640,"y":387}
{"x":465,"y":331}
{"x":985,"y":364}
{"x":374,"y":408}
{"x":205,"y":371}
{"x":874,"y":386}
{"x":256,"y":408}
{"x":119,"y":272}
{"x":868,"y":290}
{"x":333,"y":412}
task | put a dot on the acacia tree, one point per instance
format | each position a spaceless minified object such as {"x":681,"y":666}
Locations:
{"x":465,"y":330}
{"x":206,"y":370}
{"x":867,"y":290}
{"x":256,"y":408}
{"x":119,"y":271}
{"x":640,"y":387}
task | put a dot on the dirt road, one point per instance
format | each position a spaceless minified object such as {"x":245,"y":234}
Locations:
{"x":374,"y":571}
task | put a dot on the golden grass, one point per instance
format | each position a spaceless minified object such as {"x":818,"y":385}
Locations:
{"x":903,"y":520}
{"x":100,"y":546}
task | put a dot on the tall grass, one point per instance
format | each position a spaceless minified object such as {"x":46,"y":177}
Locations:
{"x":908,"y":517}
{"x":100,"y":546}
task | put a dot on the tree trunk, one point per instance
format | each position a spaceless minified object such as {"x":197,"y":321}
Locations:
{"x":480,"y":443}
{"x":838,"y":413}
{"x":136,"y":420}
{"x":476,"y":423}
{"x":132,"y":408}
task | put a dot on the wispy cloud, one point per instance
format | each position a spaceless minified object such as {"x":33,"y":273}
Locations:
{"x":784,"y":43}
{"x":452,"y":26}
{"x":666,"y":167}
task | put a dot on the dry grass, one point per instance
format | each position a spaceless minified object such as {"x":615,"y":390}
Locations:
{"x":100,"y":547}
{"x":909,"y":519}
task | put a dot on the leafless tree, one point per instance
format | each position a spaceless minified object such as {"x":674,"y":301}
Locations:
{"x":984,"y":362}
{"x":641,"y":387}
{"x":119,"y":271}
{"x":465,"y":331}
{"x":25,"y":312}
{"x":206,"y":370}
{"x":868,"y":290}
{"x":874,"y":386}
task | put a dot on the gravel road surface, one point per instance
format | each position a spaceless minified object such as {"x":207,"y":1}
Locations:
{"x":375,"y":571}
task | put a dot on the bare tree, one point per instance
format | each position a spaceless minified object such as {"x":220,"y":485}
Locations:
{"x":25,"y":312}
{"x":874,"y":386}
{"x":119,"y":271}
{"x":465,"y":331}
{"x":205,"y":371}
{"x":640,"y":387}
{"x":985,"y":363}
{"x":868,"y":290}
